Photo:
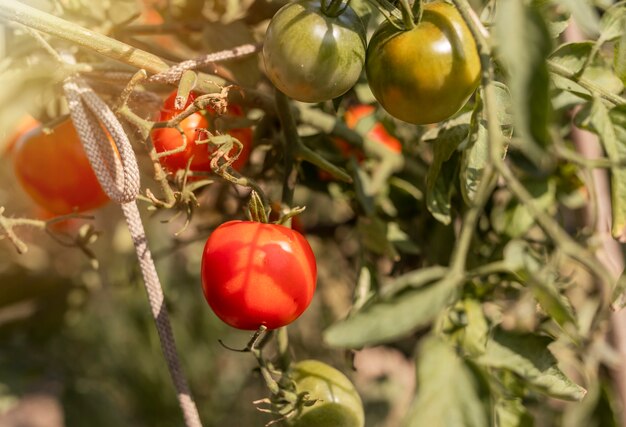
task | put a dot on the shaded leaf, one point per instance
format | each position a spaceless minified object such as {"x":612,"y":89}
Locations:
{"x":439,"y":184}
{"x":448,"y":393}
{"x":373,"y":233}
{"x":385,"y":320}
{"x":527,"y":355}
{"x":524,"y":44}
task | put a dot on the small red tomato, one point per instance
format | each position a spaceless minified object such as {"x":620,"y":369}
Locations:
{"x":357,"y":114}
{"x":166,"y":139}
{"x":54,"y":170}
{"x":257,"y":274}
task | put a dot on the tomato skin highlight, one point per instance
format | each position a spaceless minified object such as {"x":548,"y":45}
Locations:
{"x":167,"y":139}
{"x":312,"y":57}
{"x":424,"y":75}
{"x":54,"y":171}
{"x":338,"y":403}
{"x":257,"y":274}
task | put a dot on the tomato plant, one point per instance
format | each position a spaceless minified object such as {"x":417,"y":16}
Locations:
{"x":313,"y":56}
{"x":167,"y":139}
{"x":425,"y":74}
{"x":257,"y":274}
{"x":337,"y":402}
{"x":55,"y":172}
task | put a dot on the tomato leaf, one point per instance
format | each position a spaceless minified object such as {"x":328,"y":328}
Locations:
{"x":439,"y":183}
{"x":524,"y":44}
{"x":527,"y":355}
{"x":374,"y":236}
{"x":473,"y":334}
{"x":610,"y":126}
{"x":449,"y":394}
{"x":572,"y":55}
{"x":385,"y":320}
{"x":476,"y":154}
{"x":613,"y":22}
{"x":515,"y":219}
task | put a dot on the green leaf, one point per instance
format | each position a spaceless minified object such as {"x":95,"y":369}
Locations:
{"x":468,"y":327}
{"x":386,"y":320}
{"x":613,"y":22}
{"x":528,"y":267}
{"x":374,"y":232}
{"x":473,"y":161}
{"x":476,"y":155}
{"x":448,"y":392}
{"x":572,"y":55}
{"x":512,"y":413}
{"x":584,"y":14}
{"x":516,"y":219}
{"x":610,"y":126}
{"x":439,"y":184}
{"x":604,"y":77}
{"x":527,"y":355}
{"x":524,"y":44}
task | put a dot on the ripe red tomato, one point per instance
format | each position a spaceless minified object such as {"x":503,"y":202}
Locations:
{"x":426,"y":74}
{"x":257,"y":274}
{"x":54,"y":170}
{"x":166,"y":139}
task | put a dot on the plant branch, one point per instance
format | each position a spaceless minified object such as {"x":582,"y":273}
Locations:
{"x":14,"y":11}
{"x":587,"y":84}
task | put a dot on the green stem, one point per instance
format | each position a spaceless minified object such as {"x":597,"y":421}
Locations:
{"x":335,"y":8}
{"x":290,"y":141}
{"x":418,"y":11}
{"x":407,"y":15}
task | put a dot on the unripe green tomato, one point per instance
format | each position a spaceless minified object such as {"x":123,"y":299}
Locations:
{"x":426,"y":74}
{"x":313,"y":57}
{"x":338,"y":403}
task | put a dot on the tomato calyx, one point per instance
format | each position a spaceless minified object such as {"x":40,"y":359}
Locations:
{"x":334,"y":8}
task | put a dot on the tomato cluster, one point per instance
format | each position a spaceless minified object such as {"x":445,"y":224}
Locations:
{"x":194,"y":128}
{"x":420,"y":75}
